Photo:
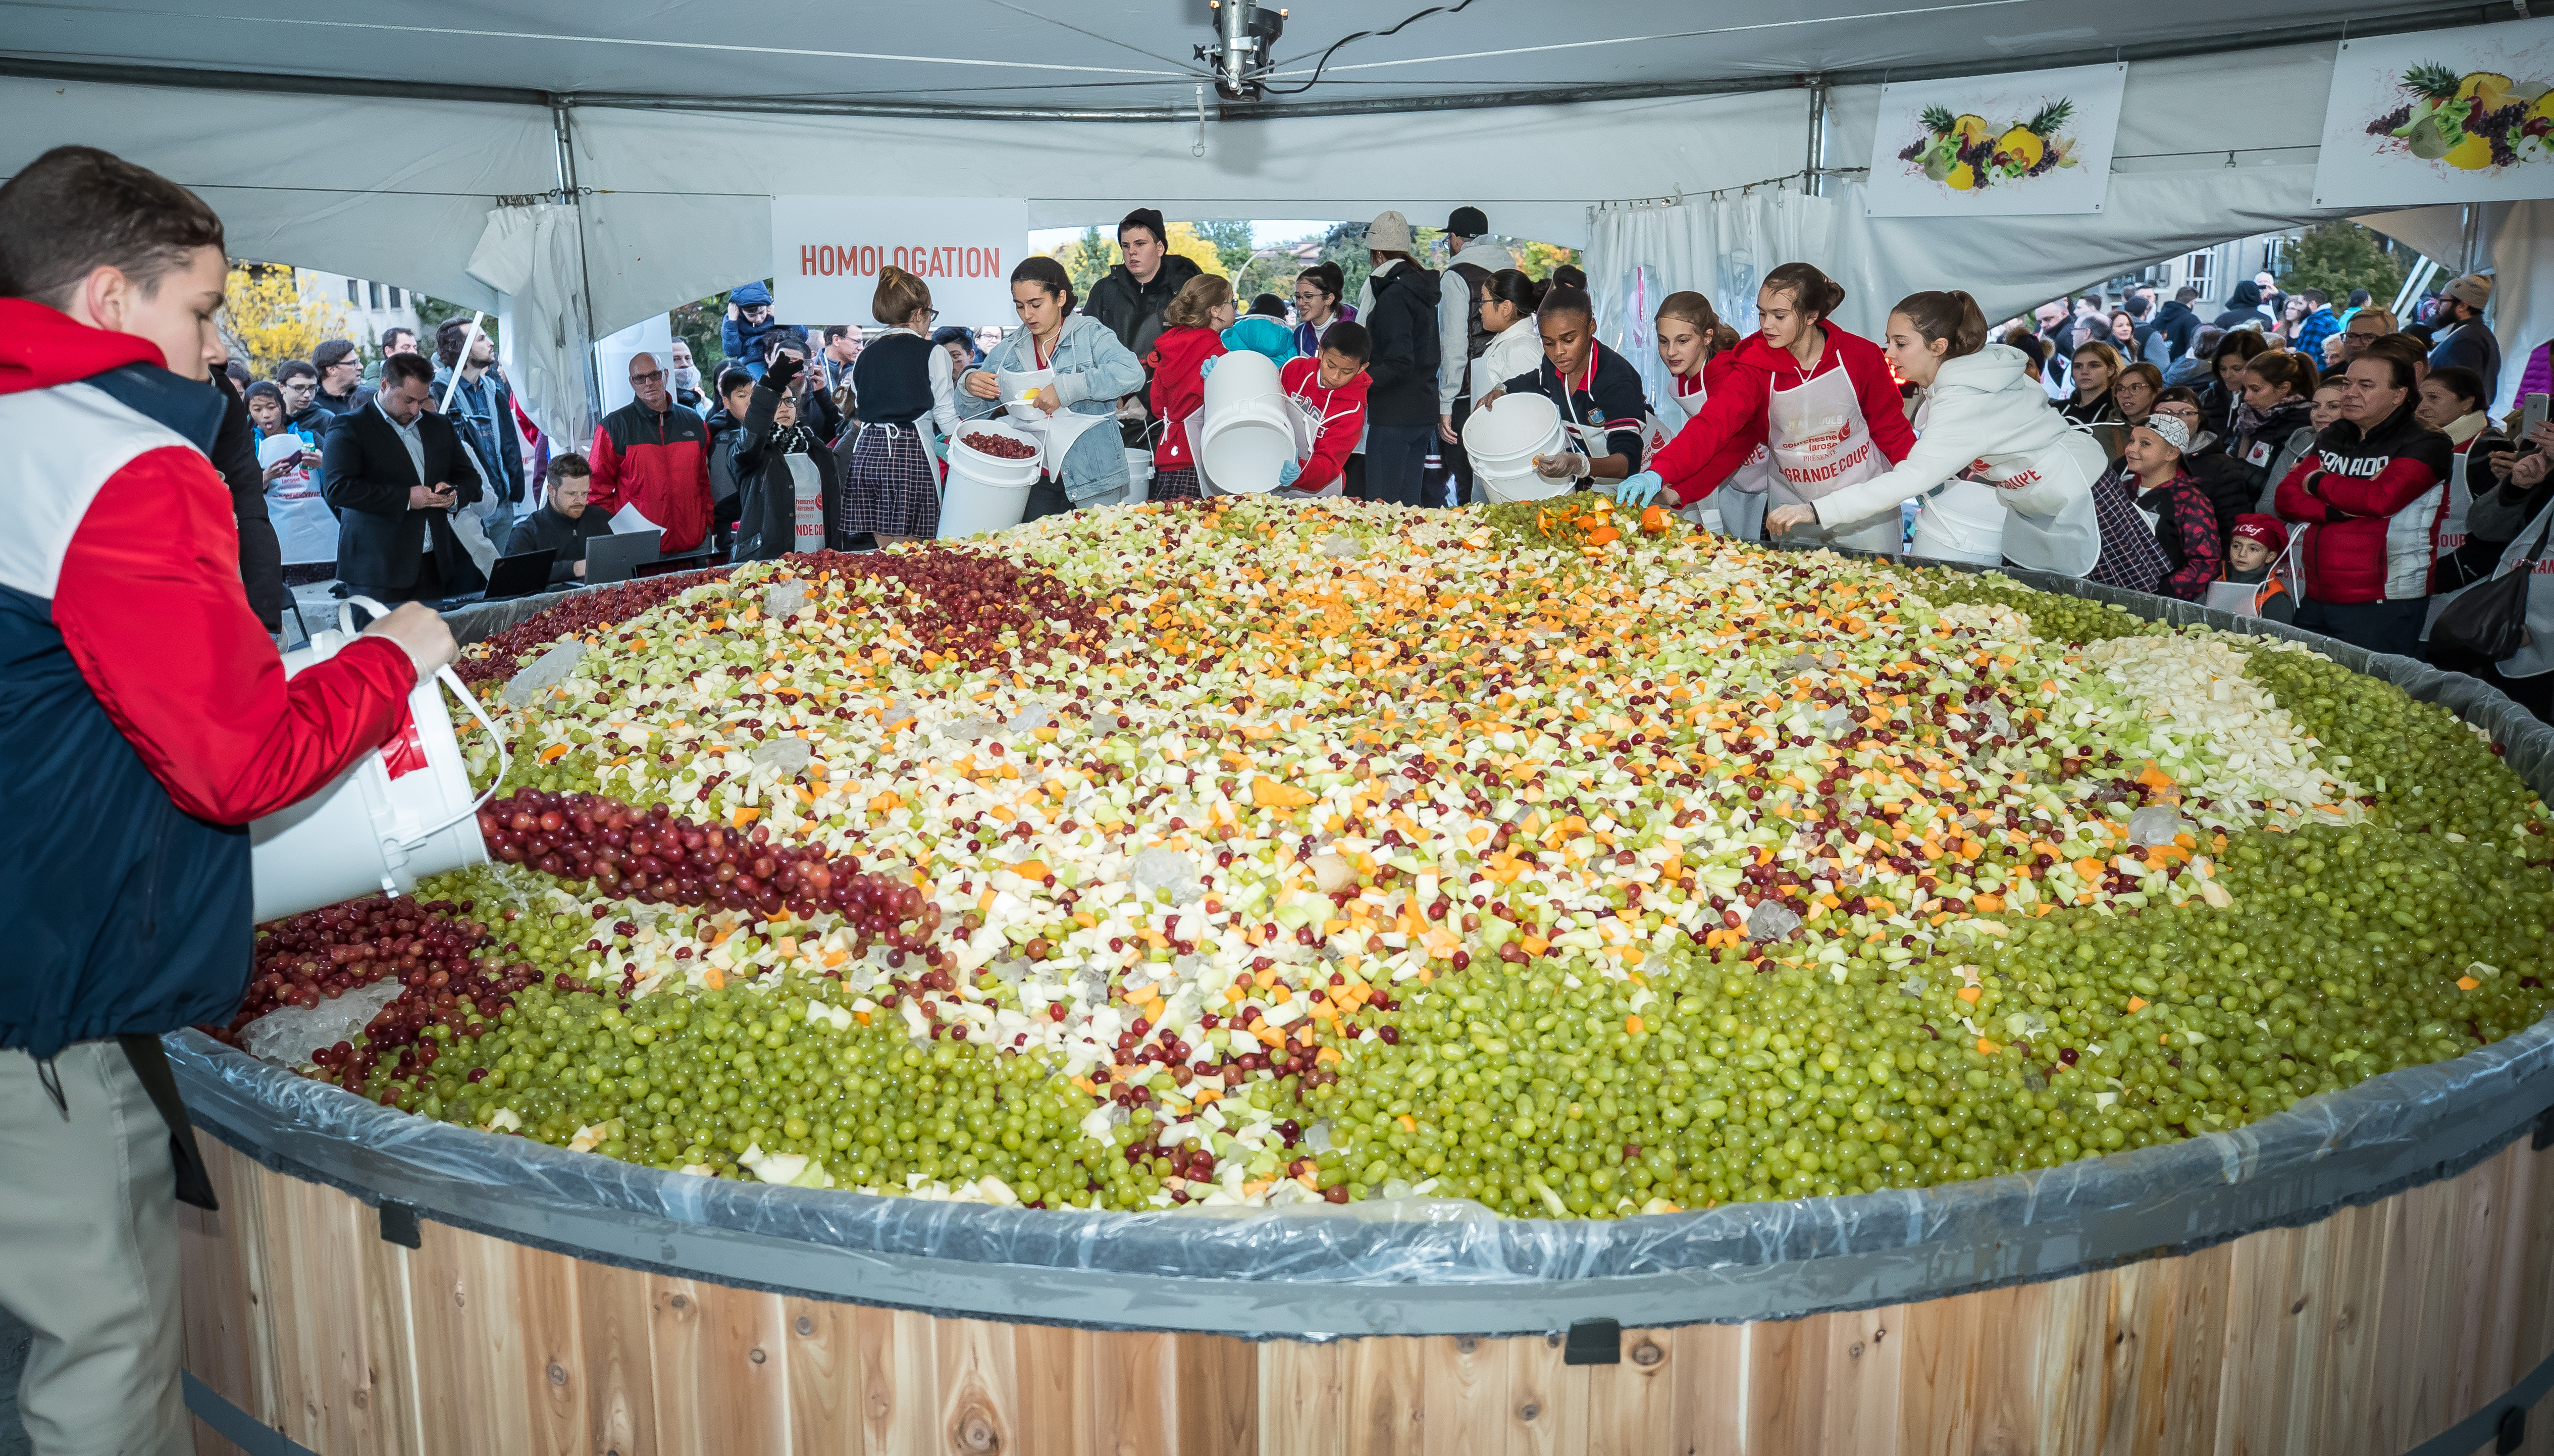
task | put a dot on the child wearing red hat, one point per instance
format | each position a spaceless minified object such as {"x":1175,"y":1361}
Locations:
{"x":2252,"y":558}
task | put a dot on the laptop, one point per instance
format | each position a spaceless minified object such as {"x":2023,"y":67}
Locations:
{"x":611,"y":558}
{"x":510,"y":576}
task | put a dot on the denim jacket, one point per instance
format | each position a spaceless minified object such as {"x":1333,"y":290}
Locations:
{"x":1092,"y":370}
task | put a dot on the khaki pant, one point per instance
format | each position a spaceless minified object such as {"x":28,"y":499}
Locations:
{"x":88,"y":1256}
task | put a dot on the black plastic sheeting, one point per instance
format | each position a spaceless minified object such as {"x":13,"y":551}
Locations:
{"x":1423,"y":1267}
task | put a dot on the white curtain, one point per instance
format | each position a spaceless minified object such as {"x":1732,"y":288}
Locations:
{"x":530,"y":255}
{"x":1720,"y":246}
{"x":2517,"y":247}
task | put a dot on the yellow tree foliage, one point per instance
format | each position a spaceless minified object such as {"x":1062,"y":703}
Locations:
{"x":1537,"y":259}
{"x":266,"y":318}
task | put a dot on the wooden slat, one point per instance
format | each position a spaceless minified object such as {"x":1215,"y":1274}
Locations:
{"x":712,"y":1392}
{"x":2365,"y":1332}
{"x":613,"y":1324}
{"x":212,"y":1280}
{"x":1216,"y":1380}
{"x":1303,"y":1398}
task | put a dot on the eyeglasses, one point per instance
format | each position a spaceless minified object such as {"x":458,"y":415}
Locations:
{"x":650,"y":377}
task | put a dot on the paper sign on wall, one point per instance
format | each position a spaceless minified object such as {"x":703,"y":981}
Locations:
{"x":2003,"y":146}
{"x":2464,"y":115}
{"x":827,"y":254}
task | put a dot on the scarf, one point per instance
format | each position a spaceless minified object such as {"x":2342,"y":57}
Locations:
{"x":2247,"y":419}
{"x":795,"y":440}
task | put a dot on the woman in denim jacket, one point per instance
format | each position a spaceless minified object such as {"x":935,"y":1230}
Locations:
{"x":1092,"y":370}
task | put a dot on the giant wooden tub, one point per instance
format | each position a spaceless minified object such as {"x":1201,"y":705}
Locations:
{"x":2371,"y":1270}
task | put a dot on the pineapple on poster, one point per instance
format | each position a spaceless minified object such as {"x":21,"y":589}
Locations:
{"x":2440,"y":116}
{"x":2029,"y":143}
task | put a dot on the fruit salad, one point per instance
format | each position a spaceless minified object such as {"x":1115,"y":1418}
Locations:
{"x":1245,"y":854}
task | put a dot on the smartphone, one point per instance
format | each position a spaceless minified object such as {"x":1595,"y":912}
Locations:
{"x":2532,"y":418}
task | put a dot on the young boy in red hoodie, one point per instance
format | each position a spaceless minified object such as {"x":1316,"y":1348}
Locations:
{"x":1330,"y":389}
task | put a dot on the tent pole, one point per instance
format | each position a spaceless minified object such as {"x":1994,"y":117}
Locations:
{"x":1818,"y":168}
{"x":571,"y":195}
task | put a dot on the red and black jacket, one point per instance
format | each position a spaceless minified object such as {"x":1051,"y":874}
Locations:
{"x":144,"y":713}
{"x":659,"y":463}
{"x":2369,"y":530}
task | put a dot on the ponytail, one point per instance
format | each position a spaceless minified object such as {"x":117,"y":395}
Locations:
{"x":1514,"y":289}
{"x":1812,"y":291}
{"x":1945,"y":315}
{"x":2291,"y":372}
{"x":1049,"y":274}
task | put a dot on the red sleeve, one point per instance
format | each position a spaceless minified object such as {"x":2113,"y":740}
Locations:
{"x":150,"y":604}
{"x":2292,"y":500}
{"x":604,"y":462}
{"x":1884,"y":411}
{"x":1720,"y":436}
{"x":2401,"y":482}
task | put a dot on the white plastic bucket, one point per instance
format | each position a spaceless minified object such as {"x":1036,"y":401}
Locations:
{"x":367,"y":831}
{"x":1018,"y":386}
{"x":1247,"y":432}
{"x":1139,"y":477}
{"x":985,"y":493}
{"x":1503,"y":441}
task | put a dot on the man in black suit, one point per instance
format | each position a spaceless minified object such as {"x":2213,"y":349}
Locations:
{"x":394,"y":470}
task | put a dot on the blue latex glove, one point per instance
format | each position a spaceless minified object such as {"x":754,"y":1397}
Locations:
{"x":1288,"y":473}
{"x":1207,"y":367}
{"x":1638,"y":491}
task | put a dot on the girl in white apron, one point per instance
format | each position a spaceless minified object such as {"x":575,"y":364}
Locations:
{"x":1695,"y":345}
{"x":1819,"y":399}
{"x":2003,"y":476}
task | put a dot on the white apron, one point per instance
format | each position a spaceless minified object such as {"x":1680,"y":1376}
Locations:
{"x":1737,"y":508}
{"x":1820,"y":443}
{"x":304,"y":523}
{"x":808,"y":506}
{"x":2449,"y":535}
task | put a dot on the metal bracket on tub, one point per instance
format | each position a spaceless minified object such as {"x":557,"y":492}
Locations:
{"x":399,"y":1226}
{"x":1594,"y":1342}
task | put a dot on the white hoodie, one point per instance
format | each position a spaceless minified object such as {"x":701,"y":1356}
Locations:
{"x":1984,"y":410}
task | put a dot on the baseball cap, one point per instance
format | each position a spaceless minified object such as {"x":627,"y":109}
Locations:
{"x":1468,"y":222}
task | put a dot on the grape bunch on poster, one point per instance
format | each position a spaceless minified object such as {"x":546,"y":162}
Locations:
{"x":2463,"y":115}
{"x":2004,"y":146}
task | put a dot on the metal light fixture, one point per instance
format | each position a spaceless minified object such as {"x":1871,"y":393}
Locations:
{"x":1245,"y":35}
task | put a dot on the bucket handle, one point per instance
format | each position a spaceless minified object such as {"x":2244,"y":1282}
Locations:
{"x":451,"y":680}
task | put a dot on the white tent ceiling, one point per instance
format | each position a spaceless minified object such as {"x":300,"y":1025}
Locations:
{"x":373,"y":138}
{"x":1133,"y":53}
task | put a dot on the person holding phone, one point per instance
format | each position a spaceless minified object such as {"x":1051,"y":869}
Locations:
{"x":288,"y":455}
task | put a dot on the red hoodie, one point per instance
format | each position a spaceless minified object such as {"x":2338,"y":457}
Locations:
{"x":1339,"y":416}
{"x":126,"y":532}
{"x":1731,"y":423}
{"x":1178,"y":390}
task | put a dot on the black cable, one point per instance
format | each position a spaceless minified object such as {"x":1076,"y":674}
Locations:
{"x":1456,"y":8}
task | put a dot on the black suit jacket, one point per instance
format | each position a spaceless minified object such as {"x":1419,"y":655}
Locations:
{"x":368,"y":474}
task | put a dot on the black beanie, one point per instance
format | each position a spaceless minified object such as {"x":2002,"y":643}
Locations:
{"x":1144,"y":217}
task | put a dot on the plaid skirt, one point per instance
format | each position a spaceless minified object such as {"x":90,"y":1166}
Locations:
{"x":890,"y":487}
{"x":2131,"y":556}
{"x":1175,"y":482}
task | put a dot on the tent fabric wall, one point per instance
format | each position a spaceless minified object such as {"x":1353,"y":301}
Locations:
{"x":387,"y":190}
{"x":529,"y":255}
{"x":2517,"y":245}
{"x":679,"y":211}
{"x":1719,"y":247}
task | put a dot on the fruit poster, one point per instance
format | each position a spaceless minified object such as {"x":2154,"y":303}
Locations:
{"x":2003,"y":146}
{"x":2464,"y":115}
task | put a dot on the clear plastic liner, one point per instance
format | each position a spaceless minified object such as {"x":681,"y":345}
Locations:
{"x":1440,"y":1265}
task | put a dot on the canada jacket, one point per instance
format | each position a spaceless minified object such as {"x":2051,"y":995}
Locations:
{"x":2369,"y":509}
{"x":1983,"y":414}
{"x":145,"y":716}
{"x":1403,"y":357}
{"x":659,"y":462}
